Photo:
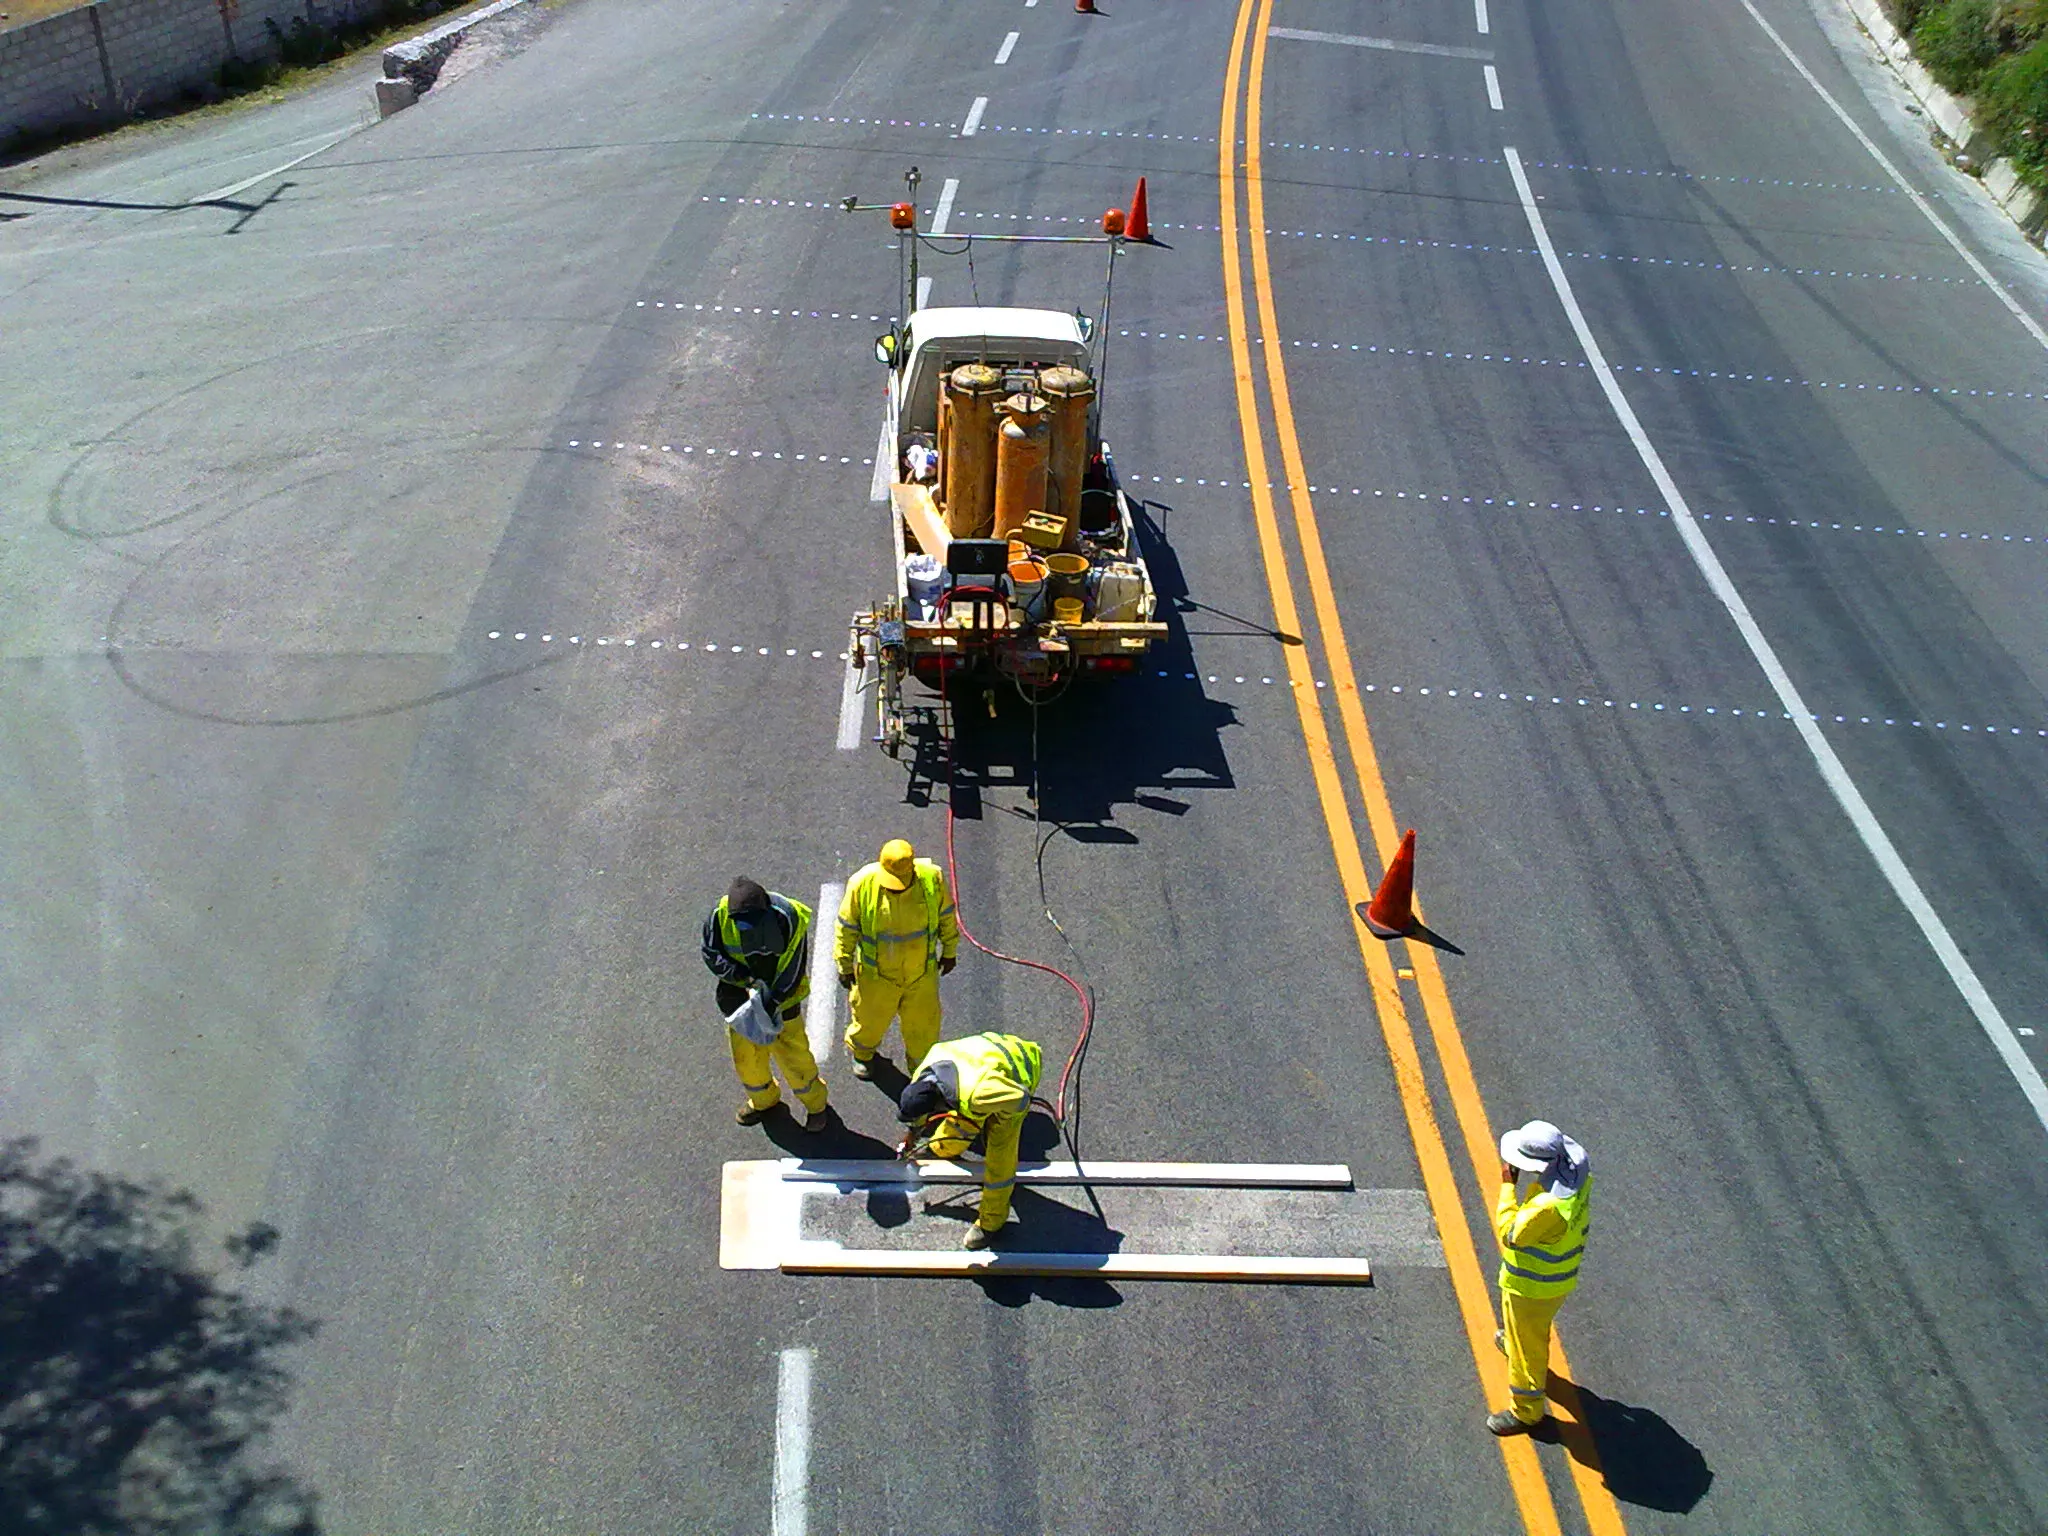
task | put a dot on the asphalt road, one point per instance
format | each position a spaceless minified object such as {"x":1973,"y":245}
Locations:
{"x":358,"y":829}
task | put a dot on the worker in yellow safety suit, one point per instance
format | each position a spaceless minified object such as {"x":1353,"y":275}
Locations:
{"x":968,"y":1088}
{"x":897,"y":936}
{"x":1542,"y":1239}
{"x":759,"y":941}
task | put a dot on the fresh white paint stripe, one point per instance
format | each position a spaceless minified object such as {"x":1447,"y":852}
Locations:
{"x":1983,"y":273}
{"x":1003,"y":53}
{"x":973,"y":124}
{"x":947,"y":193}
{"x":821,"y":1012}
{"x":878,"y":484}
{"x":793,"y":1443}
{"x":1388,"y":44}
{"x":1479,"y":15}
{"x":827,"y":1170}
{"x":1844,"y":789}
{"x":924,"y":292}
{"x":1492,"y":88}
{"x":249,"y":181}
{"x":852,"y":698}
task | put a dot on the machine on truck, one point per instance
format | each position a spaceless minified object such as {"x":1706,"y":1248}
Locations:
{"x":1016,"y":554}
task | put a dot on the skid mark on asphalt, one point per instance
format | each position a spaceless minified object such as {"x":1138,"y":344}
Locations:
{"x":1363,"y":151}
{"x":1340,"y":237}
{"x":725,"y":454}
{"x":665,"y":649}
{"x":1364,"y":349}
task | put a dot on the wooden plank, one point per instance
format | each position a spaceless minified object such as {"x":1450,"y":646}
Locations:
{"x":1187,"y":1175}
{"x":825,"y":1259}
{"x":915,"y":506}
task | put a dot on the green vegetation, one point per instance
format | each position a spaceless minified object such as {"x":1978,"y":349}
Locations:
{"x":1996,"y":52}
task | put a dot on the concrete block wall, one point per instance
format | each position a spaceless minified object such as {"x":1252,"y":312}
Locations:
{"x":53,"y":73}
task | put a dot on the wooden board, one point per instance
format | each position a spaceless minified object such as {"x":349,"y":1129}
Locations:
{"x":1185,"y":1175}
{"x":920,"y":514}
{"x":823,"y":1259}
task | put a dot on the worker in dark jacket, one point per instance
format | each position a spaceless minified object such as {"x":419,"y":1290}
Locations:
{"x":757,"y":943}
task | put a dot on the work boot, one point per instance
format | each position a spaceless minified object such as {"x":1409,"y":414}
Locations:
{"x":864,"y":1067}
{"x":1505,"y":1423}
{"x":748,"y":1115}
{"x":819,"y":1119}
{"x":978,"y":1237}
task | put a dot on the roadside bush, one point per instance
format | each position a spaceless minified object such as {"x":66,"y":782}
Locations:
{"x":1958,"y":41}
{"x":2013,"y":104}
{"x":248,"y":74}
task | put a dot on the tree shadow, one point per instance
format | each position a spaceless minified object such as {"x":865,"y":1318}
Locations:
{"x":133,"y":1383}
{"x":1642,"y":1459}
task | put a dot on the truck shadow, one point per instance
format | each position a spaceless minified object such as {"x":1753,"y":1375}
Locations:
{"x":1105,"y":743}
{"x":135,"y":1382}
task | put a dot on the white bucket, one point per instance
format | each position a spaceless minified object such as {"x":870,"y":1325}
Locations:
{"x":926,"y":581}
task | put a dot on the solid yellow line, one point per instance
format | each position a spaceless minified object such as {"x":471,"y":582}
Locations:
{"x":1468,"y":1280}
{"x":1602,"y":1515}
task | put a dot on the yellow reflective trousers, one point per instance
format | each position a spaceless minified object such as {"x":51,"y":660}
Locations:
{"x":791,"y":1051}
{"x":1525,"y":1322}
{"x":876,"y":1000}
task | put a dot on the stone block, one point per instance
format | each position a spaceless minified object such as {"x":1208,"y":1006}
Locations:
{"x":395,"y":96}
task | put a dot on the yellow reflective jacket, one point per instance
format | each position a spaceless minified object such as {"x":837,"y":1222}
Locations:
{"x":1542,"y":1239}
{"x":897,"y":934}
{"x":993,"y":1074}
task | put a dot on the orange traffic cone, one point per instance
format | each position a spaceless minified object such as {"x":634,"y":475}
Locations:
{"x":1086,"y":7}
{"x":1138,"y":226}
{"x":1391,"y":914}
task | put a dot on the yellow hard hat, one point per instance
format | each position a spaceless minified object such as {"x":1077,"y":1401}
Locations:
{"x":899,"y":864}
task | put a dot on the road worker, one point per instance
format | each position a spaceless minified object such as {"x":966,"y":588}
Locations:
{"x":1542,"y":1239}
{"x":965,"y":1088}
{"x":757,"y":943}
{"x":897,"y":936}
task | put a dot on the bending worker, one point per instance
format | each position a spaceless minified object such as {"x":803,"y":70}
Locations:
{"x":897,"y":936}
{"x":1542,"y":1239}
{"x":758,"y":941}
{"x":966,"y":1088}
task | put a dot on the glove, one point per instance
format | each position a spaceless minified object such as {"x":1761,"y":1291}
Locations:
{"x":846,"y":981}
{"x":946,"y":965}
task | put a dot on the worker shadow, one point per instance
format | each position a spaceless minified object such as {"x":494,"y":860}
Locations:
{"x":1042,"y":1225}
{"x":837,"y":1140}
{"x":1642,"y":1459}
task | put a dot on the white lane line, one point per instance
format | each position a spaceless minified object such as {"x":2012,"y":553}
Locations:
{"x":1387,"y":44}
{"x":947,"y":193}
{"x":852,"y":699}
{"x":1479,"y":15}
{"x":249,"y":181}
{"x":1493,"y":88}
{"x":1030,"y":4}
{"x":1003,"y":53}
{"x":793,"y":1443}
{"x":878,"y":487}
{"x":821,"y":1010}
{"x":924,"y":292}
{"x":973,"y":123}
{"x":1984,"y":273}
{"x":1844,"y":789}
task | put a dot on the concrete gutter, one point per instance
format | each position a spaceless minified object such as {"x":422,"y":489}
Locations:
{"x":411,"y":67}
{"x":1951,"y":115}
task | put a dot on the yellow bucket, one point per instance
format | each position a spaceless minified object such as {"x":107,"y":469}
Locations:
{"x":1068,"y":610}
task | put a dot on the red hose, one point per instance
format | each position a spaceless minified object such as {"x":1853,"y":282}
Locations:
{"x":1059,"y":1107}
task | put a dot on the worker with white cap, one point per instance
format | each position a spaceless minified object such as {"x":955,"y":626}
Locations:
{"x":1542,"y":1239}
{"x":897,"y":936}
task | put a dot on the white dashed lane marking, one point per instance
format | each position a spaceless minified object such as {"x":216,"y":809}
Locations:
{"x":1619,"y":259}
{"x":724,"y":454}
{"x":664,"y":649}
{"x":1364,"y":151}
{"x":1384,"y":351}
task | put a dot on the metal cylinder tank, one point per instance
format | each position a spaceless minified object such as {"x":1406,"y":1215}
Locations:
{"x":1072,"y":394}
{"x":1022,"y":451}
{"x":967,"y":449}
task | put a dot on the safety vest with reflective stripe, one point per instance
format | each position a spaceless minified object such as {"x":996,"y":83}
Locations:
{"x":792,"y":982}
{"x":995,"y":1073}
{"x":861,"y":916}
{"x":1542,"y":1240}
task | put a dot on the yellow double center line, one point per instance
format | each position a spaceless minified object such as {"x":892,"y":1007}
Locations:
{"x":1524,"y":1469}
